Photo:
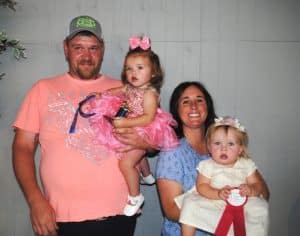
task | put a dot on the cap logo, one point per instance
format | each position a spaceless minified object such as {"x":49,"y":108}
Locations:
{"x":85,"y":23}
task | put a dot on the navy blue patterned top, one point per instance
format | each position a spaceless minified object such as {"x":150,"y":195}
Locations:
{"x":178,"y":165}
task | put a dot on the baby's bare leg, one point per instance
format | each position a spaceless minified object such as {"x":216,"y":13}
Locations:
{"x":144,"y":166}
{"x":131,"y":174}
{"x":187,"y":230}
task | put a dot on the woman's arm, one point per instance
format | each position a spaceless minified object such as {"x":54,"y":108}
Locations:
{"x":150,"y":106}
{"x":167,"y":191}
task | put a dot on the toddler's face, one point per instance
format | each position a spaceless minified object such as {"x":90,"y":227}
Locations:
{"x":225,"y":147}
{"x":138,"y":71}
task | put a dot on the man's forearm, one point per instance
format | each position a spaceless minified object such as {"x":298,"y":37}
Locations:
{"x":24,"y":169}
{"x":24,"y":147}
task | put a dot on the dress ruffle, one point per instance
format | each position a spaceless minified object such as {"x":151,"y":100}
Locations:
{"x":105,"y":108}
{"x":158,"y":133}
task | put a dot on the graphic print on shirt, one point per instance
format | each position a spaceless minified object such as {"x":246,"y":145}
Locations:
{"x":62,"y":108}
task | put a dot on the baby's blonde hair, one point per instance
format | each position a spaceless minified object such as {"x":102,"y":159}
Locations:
{"x":226,"y":124}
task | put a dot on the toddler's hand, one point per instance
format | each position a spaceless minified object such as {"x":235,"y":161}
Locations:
{"x":245,"y":190}
{"x":98,"y":94}
{"x":224,"y":193}
{"x":118,"y":122}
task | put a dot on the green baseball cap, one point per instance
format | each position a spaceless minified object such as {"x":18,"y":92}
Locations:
{"x":85,"y":23}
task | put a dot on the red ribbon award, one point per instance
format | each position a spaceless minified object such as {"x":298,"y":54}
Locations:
{"x":233,"y":214}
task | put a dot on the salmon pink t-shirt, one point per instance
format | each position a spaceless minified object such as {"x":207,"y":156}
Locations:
{"x":79,"y":179}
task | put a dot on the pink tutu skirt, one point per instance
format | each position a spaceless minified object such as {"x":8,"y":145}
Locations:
{"x":159,"y":133}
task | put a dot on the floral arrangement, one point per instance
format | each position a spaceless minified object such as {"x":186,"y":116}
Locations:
{"x":8,"y":3}
{"x":5,"y":42}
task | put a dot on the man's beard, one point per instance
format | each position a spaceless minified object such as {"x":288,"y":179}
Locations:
{"x":91,"y":73}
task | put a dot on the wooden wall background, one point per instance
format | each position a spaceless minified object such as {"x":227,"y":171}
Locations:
{"x":246,"y":52}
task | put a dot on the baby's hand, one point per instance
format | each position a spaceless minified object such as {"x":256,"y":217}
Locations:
{"x":224,"y":193}
{"x":245,"y":190}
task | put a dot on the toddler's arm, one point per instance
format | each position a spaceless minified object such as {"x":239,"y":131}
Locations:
{"x":113,"y":91}
{"x":253,"y":186}
{"x":206,"y":190}
{"x":265,"y":190}
{"x":150,"y":106}
{"x":117,"y":90}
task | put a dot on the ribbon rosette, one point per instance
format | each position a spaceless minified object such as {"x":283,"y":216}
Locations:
{"x":233,"y":214}
{"x":142,"y":42}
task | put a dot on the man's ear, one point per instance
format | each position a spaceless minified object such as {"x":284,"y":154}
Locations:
{"x":66,"y":50}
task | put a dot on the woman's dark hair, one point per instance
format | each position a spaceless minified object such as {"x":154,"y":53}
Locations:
{"x":174,"y":102}
{"x":158,"y":75}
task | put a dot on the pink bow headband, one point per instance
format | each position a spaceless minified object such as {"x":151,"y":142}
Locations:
{"x":142,"y":42}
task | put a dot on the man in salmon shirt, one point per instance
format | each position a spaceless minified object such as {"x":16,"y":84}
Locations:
{"x":84,"y":192}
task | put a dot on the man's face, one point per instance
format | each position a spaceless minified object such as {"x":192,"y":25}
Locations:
{"x":84,"y":55}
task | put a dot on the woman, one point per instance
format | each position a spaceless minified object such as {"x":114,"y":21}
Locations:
{"x":192,"y":107}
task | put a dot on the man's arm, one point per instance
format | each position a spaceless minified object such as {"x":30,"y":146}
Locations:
{"x":41,"y":213}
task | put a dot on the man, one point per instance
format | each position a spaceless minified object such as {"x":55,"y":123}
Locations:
{"x":84,"y":192}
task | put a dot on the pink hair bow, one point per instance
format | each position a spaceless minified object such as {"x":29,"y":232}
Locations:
{"x":142,"y":42}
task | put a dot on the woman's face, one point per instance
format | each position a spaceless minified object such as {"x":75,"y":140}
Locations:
{"x":192,"y":108}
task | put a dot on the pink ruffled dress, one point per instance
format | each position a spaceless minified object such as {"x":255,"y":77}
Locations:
{"x":159,"y":132}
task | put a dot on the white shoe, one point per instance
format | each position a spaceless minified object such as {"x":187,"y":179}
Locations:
{"x":147,"y":180}
{"x":133,"y":204}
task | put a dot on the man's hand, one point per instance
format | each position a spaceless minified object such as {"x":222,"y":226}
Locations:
{"x":41,"y":213}
{"x":43,"y":218}
{"x":131,"y":139}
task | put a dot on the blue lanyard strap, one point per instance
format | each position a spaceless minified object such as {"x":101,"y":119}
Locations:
{"x":79,"y":111}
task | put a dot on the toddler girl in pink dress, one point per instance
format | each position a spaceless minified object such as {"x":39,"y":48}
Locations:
{"x":142,"y":77}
